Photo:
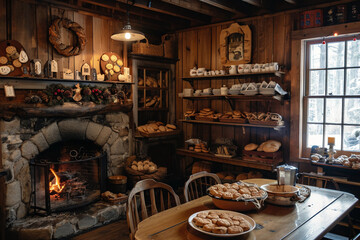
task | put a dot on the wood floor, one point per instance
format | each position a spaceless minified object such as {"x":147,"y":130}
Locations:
{"x":117,"y":230}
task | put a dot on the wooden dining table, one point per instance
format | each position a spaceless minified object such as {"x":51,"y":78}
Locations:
{"x":311,"y":219}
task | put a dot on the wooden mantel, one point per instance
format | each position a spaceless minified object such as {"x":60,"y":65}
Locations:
{"x":8,"y":111}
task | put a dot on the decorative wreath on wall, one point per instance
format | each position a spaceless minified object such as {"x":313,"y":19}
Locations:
{"x":55,"y":37}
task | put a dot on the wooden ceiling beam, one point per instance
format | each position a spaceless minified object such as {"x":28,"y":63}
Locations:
{"x":256,"y":3}
{"x":142,"y":12}
{"x":200,"y":8}
{"x":221,"y":4}
{"x":291,"y":1}
{"x":165,"y":8}
{"x":97,"y":11}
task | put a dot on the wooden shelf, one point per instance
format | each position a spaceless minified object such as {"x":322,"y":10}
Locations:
{"x":333,"y":166}
{"x":232,"y":161}
{"x":238,"y":97}
{"x":69,"y":109}
{"x":152,"y":88}
{"x":229,"y":76}
{"x":152,"y":109}
{"x":231,"y":124}
{"x":2,"y":78}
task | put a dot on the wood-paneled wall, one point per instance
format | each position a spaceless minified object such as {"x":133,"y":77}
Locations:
{"x":200,"y":47}
{"x":30,"y":22}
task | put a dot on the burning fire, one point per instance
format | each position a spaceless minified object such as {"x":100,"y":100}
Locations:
{"x":56,"y":185}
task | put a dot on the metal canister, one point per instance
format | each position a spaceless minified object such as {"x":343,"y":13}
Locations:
{"x":286,"y":174}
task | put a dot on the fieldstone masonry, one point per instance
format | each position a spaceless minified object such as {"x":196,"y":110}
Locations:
{"x":23,"y":139}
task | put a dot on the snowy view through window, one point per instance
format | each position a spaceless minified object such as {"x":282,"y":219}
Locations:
{"x":333,"y":93}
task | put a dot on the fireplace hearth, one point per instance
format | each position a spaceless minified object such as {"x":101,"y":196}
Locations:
{"x":66,"y":176}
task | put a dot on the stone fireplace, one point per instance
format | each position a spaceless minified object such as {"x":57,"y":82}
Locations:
{"x":24,"y":139}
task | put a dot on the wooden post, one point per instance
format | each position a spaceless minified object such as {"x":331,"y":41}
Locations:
{"x":2,"y":202}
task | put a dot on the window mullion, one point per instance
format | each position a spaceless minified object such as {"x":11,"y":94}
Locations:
{"x":343,"y":98}
{"x":326,"y":91}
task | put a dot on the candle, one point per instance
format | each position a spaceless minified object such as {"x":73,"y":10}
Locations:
{"x":331,"y":140}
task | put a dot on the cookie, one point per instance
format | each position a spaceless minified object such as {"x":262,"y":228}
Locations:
{"x":17,"y":63}
{"x":111,"y":72}
{"x":109,"y":66}
{"x":113,"y":58}
{"x":11,"y":67}
{"x":116,"y":68}
{"x":3,"y":60}
{"x":235,"y":229}
{"x":10,"y":50}
{"x":119,"y":62}
{"x":105,"y":57}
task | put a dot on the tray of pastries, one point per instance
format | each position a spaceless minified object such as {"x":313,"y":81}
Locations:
{"x":207,"y":114}
{"x":157,"y":129}
{"x":233,"y":117}
{"x":268,"y":119}
{"x":111,"y":65}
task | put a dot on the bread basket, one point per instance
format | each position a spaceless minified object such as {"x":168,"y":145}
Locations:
{"x":242,"y":204}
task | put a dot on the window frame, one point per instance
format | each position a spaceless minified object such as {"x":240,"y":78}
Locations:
{"x":305,"y":151}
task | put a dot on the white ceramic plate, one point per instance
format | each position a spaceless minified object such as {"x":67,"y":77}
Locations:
{"x":247,"y":218}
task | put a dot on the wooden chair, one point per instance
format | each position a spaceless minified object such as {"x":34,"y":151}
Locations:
{"x":314,"y":179}
{"x":197,"y":184}
{"x":147,"y":198}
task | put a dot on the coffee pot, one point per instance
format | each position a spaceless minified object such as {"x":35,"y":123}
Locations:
{"x":286,"y":175}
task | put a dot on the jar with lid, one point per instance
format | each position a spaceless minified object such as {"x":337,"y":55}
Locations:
{"x":224,"y":90}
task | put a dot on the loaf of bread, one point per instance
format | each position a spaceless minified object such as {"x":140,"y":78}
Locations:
{"x":271,"y":146}
{"x":251,"y":147}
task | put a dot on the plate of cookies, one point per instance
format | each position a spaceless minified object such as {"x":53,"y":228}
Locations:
{"x":221,"y":223}
{"x":238,"y":196}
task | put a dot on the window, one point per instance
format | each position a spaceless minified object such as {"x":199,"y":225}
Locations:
{"x":332,"y":93}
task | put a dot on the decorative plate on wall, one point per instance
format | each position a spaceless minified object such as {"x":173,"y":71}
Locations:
{"x":235,"y":45}
{"x":13,"y":59}
{"x":111,"y":65}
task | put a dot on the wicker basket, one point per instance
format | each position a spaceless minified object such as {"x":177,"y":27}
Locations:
{"x":170,"y":46}
{"x":147,"y":49}
{"x":263,"y":157}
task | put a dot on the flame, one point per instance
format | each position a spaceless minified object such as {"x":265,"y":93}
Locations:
{"x":57,"y":186}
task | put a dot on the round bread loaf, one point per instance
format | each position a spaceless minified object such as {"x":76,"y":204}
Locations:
{"x":251,"y":147}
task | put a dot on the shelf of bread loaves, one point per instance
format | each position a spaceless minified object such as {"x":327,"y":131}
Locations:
{"x":234,"y":118}
{"x":151,"y":83}
{"x":157,"y":129}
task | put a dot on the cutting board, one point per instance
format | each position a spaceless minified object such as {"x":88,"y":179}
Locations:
{"x":18,"y":71}
{"x":104,"y":69}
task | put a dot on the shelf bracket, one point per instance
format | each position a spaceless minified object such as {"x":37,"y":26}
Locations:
{"x":231,"y":103}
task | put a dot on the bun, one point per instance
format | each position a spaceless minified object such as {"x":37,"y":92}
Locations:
{"x":251,"y":147}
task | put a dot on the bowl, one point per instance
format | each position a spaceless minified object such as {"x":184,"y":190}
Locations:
{"x":241,"y":204}
{"x":234,"y":91}
{"x":284,"y":195}
{"x":267,"y":91}
{"x":217,"y":91}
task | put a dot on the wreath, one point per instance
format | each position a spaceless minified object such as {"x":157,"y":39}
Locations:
{"x":55,"y":37}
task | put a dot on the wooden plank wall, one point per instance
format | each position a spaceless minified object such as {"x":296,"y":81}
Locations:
{"x":200,"y":47}
{"x":29,"y":25}
{"x":30,"y":22}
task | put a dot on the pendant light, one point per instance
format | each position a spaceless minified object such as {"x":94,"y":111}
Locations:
{"x":128,"y":34}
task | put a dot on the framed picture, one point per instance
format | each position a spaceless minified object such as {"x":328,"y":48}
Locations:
{"x":235,"y":44}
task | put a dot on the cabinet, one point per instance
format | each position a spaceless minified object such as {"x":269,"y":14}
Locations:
{"x":243,"y":132}
{"x":154,"y":100}
{"x":153,"y":90}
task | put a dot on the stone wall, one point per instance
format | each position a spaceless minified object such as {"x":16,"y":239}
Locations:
{"x":23,"y":139}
